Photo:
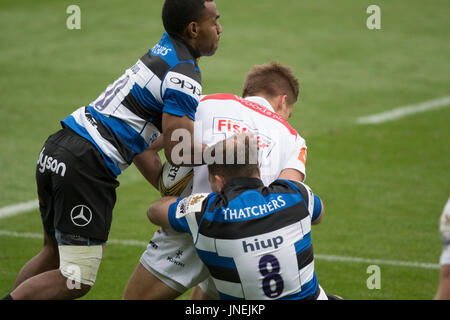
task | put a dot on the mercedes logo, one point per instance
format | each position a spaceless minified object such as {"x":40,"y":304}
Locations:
{"x":81,"y":215}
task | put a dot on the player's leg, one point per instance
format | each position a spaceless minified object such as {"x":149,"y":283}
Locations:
{"x":49,"y":285}
{"x":78,"y":265}
{"x":144,"y":285}
{"x":198,"y":294}
{"x":47,"y":259}
{"x":206,"y":290}
{"x":170,"y":264}
{"x":81,"y":198}
{"x":443,"y":292}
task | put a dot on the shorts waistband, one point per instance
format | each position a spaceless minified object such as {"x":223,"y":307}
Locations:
{"x":67,"y":239}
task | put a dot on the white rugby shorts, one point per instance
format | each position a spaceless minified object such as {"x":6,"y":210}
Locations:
{"x":171,"y":257}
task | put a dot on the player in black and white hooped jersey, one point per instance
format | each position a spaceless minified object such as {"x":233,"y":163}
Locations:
{"x":158,"y":94}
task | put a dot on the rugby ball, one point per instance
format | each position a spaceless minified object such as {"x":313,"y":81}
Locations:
{"x":175,"y":180}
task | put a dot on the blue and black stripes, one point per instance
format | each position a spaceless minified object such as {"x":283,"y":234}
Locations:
{"x":250,"y":212}
{"x":127,"y":116}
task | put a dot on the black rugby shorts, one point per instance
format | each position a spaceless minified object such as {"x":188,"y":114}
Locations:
{"x":77,"y":191}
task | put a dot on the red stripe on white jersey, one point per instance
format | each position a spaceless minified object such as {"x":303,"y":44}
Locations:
{"x":253,"y":106}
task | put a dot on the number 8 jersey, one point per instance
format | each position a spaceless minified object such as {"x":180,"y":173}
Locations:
{"x":254,"y":240}
{"x":127,"y":117}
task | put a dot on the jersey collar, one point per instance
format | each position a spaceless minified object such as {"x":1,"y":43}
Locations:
{"x":244,"y":183}
{"x":191,"y":50}
{"x":261,"y":101}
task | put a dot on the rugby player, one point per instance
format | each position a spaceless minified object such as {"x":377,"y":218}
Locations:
{"x":170,"y":265}
{"x":443,"y":292}
{"x":254,"y":239}
{"x":78,"y":166}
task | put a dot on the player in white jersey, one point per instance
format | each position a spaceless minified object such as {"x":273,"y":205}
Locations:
{"x":222,"y":115}
{"x":170,"y":264}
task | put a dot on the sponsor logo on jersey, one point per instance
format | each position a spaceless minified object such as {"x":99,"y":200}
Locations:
{"x":228,"y":125}
{"x":262,"y":244}
{"x":180,"y":82}
{"x":185,"y":84}
{"x":46,"y":162}
{"x":159,"y":50}
{"x":254,"y":211}
{"x":302,"y":155}
{"x":196,"y":200}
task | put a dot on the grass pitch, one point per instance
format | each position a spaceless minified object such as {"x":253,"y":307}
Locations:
{"x":384,"y":186}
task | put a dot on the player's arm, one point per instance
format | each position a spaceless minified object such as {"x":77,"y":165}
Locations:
{"x":295,"y":166}
{"x":291,"y":174}
{"x":319,"y":208}
{"x":443,"y":292}
{"x":180,"y":147}
{"x":314,"y":204}
{"x":181,"y":95}
{"x":149,"y":163}
{"x":158,"y":213}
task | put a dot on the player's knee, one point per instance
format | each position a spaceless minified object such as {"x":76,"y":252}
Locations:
{"x":75,"y":289}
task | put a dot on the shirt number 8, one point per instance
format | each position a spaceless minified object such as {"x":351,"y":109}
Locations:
{"x":271,"y":275}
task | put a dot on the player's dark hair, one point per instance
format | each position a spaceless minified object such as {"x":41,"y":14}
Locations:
{"x":271,"y":79}
{"x":177,"y":14}
{"x":235,"y":157}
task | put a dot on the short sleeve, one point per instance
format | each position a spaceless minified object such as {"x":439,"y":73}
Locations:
{"x":312,"y":201}
{"x":183,"y":212}
{"x":182,"y":90}
{"x":317,"y":208}
{"x":296,"y":155}
{"x":177,"y":218}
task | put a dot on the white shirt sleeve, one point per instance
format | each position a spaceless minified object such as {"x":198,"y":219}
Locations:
{"x":296,"y":155}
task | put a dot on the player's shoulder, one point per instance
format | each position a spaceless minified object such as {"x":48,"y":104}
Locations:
{"x":291,"y":186}
{"x":219,"y":96}
{"x":216,"y":103}
{"x":188,"y":69}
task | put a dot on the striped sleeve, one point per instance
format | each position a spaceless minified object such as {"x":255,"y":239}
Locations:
{"x":181,"y":90}
{"x":177,"y":216}
{"x":317,"y":208}
{"x":183,"y":212}
{"x":312,"y":201}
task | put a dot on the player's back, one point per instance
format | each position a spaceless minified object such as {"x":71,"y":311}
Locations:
{"x":219,"y":116}
{"x":256,"y":241}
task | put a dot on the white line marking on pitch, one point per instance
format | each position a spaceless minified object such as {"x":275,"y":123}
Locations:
{"x":404,"y":111}
{"x":143,"y":244}
{"x":413,"y":264}
{"x":18,"y":208}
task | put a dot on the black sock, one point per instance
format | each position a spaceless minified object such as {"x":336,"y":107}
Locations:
{"x":8,"y":297}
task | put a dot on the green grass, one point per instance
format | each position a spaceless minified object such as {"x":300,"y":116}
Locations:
{"x":384,"y":186}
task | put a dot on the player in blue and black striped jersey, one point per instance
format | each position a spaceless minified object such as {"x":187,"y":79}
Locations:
{"x":255,"y":240}
{"x":77,"y":167}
